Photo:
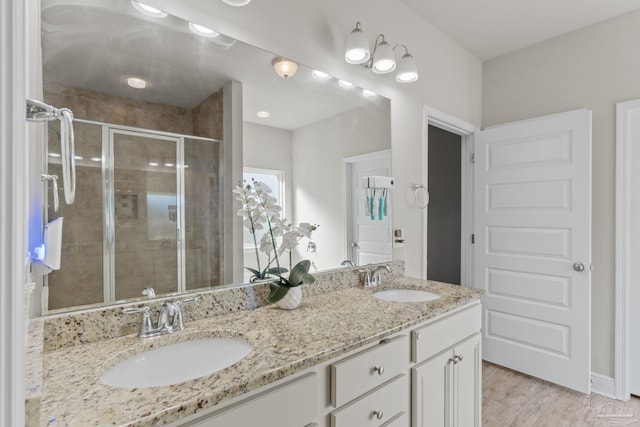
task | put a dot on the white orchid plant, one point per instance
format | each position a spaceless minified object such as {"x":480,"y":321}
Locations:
{"x":261,"y":211}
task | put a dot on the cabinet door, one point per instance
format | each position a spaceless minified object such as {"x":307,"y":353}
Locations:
{"x":432,"y":392}
{"x":292,"y":404}
{"x":467,"y":378}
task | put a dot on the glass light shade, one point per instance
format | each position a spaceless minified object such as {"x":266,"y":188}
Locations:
{"x":384,"y":60}
{"x":136,"y":83}
{"x":284,"y":67}
{"x":357,"y":50}
{"x":407,"y":69}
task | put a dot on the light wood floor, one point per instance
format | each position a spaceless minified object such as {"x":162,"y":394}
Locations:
{"x":514,"y":399}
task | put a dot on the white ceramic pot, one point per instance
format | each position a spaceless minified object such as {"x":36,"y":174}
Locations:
{"x":291,"y":300}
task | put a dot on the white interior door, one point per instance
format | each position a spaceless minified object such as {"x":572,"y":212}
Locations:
{"x":533,"y":246}
{"x":370,"y":232}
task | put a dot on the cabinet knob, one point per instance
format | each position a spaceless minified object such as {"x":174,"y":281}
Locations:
{"x":378,"y":369}
{"x":457,"y":358}
{"x":378,"y":414}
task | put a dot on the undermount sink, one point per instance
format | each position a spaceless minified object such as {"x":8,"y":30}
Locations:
{"x":176,"y":363}
{"x":406,"y":295}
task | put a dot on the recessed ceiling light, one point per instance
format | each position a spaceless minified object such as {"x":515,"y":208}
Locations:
{"x":96,"y":159}
{"x":368,"y":93}
{"x":154,"y":164}
{"x":201,"y":30}
{"x":263,"y":114}
{"x":169,"y":164}
{"x":320,"y":75}
{"x":54,"y":155}
{"x":78,"y":157}
{"x":148,"y":10}
{"x":345,"y":84}
{"x":136,"y":83}
{"x":237,"y":3}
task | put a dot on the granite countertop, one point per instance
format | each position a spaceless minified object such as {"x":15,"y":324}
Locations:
{"x":284,"y":342}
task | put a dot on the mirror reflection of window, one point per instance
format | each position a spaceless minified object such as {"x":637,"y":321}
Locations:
{"x":275,"y":180}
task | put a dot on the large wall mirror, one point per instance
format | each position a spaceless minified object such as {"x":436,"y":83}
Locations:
{"x":151,"y":162}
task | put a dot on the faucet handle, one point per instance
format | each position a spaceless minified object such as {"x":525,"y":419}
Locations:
{"x":177,"y":323}
{"x":145,"y":326}
{"x":149,"y":292}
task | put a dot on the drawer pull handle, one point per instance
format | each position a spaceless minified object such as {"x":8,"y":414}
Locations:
{"x":378,"y":414}
{"x":378,"y":369}
{"x":457,"y":358}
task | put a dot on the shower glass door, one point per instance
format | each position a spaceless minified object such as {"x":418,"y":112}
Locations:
{"x":144,"y":216}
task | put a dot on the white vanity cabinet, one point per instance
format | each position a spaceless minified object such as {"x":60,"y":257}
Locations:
{"x":426,"y":375}
{"x":446,"y":380}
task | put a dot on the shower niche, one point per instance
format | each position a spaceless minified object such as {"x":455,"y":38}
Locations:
{"x":148,"y":212}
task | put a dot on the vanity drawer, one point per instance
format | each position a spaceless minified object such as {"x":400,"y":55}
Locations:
{"x":366,"y":370}
{"x":434,"y":337}
{"x":383,"y":406}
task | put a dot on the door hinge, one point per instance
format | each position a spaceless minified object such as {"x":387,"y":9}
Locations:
{"x":473,"y":239}
{"x":473,"y":157}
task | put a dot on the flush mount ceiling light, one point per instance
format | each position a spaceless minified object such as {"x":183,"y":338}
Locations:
{"x":285,"y":68}
{"x":345,"y":84}
{"x":148,"y":10}
{"x":237,"y":3}
{"x":320,"y":75}
{"x":382,"y":60}
{"x":203,"y":31}
{"x":136,"y":82}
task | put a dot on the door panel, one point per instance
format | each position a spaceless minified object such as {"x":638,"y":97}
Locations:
{"x":533,"y":222}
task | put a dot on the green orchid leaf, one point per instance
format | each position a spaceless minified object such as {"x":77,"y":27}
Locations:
{"x":278,"y":292}
{"x":299,"y":272}
{"x":308,"y":278}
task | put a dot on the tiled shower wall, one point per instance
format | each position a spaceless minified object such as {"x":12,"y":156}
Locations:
{"x":149,"y":261}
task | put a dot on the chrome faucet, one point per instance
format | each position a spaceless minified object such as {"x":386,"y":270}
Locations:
{"x":347,"y":263}
{"x":169,"y":318}
{"x":373,"y":278}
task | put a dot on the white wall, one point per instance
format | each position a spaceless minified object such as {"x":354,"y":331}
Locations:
{"x":594,"y":68}
{"x":314,"y":33}
{"x":264,"y":147}
{"x":318,"y":180}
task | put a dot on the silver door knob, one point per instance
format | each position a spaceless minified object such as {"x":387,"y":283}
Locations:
{"x":378,"y":414}
{"x":578,"y":266}
{"x":354,"y":244}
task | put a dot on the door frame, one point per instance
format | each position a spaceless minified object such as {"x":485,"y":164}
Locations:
{"x":347,"y":164}
{"x":466,"y":131}
{"x":622,"y":350}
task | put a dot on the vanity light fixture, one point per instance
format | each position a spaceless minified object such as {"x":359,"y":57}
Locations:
{"x":148,"y":10}
{"x":382,"y":60}
{"x":237,"y":3}
{"x":203,"y":31}
{"x":263,"y":114}
{"x":136,"y":82}
{"x":285,"y":68}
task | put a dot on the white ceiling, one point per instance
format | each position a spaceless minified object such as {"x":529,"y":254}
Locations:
{"x":490,"y":28}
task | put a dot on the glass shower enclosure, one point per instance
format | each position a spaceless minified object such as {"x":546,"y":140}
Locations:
{"x":148,"y":213}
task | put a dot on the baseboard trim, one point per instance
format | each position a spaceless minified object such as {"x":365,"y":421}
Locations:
{"x":601,"y":384}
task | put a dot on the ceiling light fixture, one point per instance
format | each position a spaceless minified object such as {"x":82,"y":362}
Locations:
{"x":136,"y":82}
{"x":345,"y":84}
{"x":203,"y":31}
{"x":320,"y":75}
{"x":148,"y":10}
{"x":382,"y":60}
{"x":285,"y":68}
{"x":237,"y":3}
